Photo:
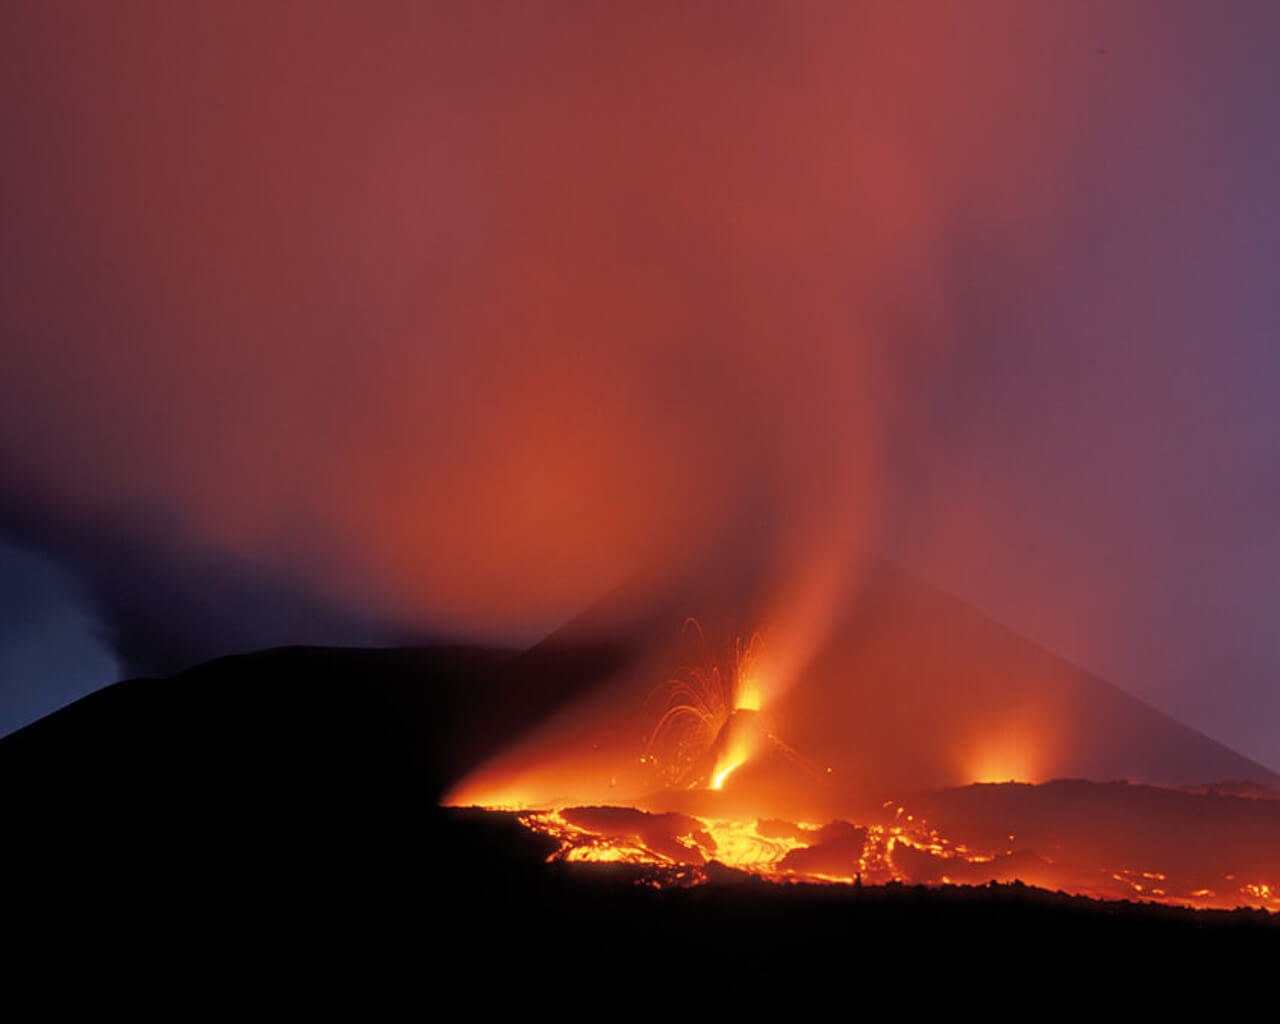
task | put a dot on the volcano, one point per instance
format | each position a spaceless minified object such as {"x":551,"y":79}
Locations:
{"x":924,"y":742}
{"x":914,"y":690}
{"x":288,"y":802}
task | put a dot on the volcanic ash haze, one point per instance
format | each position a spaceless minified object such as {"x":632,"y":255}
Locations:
{"x":439,"y":324}
{"x":461,"y":315}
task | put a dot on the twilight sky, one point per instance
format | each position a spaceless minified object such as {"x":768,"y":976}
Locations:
{"x":364,"y":322}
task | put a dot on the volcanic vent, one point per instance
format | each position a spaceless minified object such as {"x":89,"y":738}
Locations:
{"x":877,"y":763}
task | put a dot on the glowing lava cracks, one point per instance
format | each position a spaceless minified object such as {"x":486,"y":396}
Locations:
{"x":713,"y":762}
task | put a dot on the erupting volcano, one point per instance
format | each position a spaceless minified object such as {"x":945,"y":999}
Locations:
{"x":469,"y":473}
{"x":691,"y":741}
{"x":711,"y":722}
{"x":923,"y":743}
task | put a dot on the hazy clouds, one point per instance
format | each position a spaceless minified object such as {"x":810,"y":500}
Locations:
{"x":458,"y":315}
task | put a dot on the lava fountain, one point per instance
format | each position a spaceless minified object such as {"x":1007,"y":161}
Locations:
{"x":806,"y":783}
{"x":704,"y":729}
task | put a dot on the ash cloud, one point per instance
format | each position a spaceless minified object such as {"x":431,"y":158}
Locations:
{"x":458,"y":316}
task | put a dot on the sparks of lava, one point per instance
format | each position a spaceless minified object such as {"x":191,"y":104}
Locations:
{"x":693,"y":706}
{"x":709,"y":724}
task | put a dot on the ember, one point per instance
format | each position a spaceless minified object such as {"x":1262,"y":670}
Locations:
{"x":717,"y":782}
{"x":697,"y":704}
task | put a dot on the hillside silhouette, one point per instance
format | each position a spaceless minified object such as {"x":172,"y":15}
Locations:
{"x":285,"y":804}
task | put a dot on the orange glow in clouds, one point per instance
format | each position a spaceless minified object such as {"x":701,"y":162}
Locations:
{"x":459,"y":337}
{"x":441,"y":330}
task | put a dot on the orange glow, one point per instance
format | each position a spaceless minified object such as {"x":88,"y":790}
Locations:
{"x":1015,"y":748}
{"x":696,"y":771}
{"x":1003,"y":765}
{"x":698,"y":704}
{"x":894,"y":850}
{"x":718,"y":781}
{"x":750,"y":696}
{"x":838,"y":852}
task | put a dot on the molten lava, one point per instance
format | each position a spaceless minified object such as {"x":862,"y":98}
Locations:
{"x":697,"y":705}
{"x":717,"y":781}
{"x":723,"y":787}
{"x":898,"y":847}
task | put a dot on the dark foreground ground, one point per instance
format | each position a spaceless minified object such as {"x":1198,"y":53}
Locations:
{"x":273,"y":819}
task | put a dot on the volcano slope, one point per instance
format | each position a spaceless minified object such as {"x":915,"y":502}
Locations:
{"x":913,"y":690}
{"x":283,"y":807}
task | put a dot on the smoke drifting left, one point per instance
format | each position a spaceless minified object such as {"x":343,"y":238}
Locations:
{"x":543,"y":327}
{"x":456,"y":318}
{"x":462,"y":316}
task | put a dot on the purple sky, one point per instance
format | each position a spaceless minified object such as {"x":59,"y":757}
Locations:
{"x":376,"y":320}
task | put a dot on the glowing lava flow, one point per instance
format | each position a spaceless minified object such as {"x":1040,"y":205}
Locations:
{"x":676,"y":849}
{"x":717,"y":782}
{"x":712,"y":753}
{"x":783,"y":851}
